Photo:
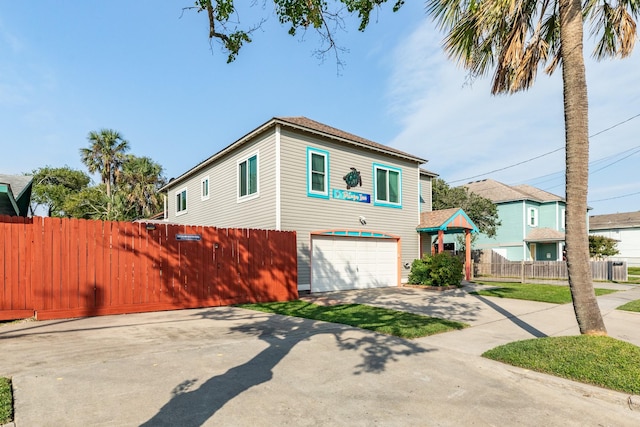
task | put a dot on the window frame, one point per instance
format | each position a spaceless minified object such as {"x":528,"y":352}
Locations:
{"x":178,"y":199}
{"x":310,"y":191}
{"x":387,"y":203}
{"x":563,"y":219}
{"x":248,"y":195}
{"x":532,"y":214}
{"x":204,"y":180}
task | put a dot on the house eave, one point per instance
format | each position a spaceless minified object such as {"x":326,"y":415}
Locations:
{"x":271,"y":123}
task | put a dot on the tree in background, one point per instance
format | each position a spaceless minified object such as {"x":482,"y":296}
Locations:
{"x":105,"y":156}
{"x":140,"y":180}
{"x":512,"y":39}
{"x":90,"y":203}
{"x":482,"y":211}
{"x":53,"y":186}
{"x":601,"y":247}
{"x":129,"y":187}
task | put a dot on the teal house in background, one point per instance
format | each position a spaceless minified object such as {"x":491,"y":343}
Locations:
{"x":532,"y":222}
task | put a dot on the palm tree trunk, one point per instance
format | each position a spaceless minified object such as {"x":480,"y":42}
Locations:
{"x":576,"y":117}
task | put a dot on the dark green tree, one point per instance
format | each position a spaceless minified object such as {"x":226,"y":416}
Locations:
{"x":105,"y":155}
{"x":140,"y":180}
{"x":53,"y":186}
{"x":601,"y":247}
{"x":89,"y":203}
{"x":482,"y":211}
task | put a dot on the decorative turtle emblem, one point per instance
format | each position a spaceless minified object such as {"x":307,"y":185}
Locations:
{"x":353,"y":178}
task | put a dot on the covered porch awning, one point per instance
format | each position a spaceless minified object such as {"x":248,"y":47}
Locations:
{"x":449,"y":221}
{"x":544,"y":235}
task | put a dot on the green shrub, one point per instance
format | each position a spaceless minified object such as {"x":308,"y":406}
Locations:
{"x":419,"y":273}
{"x":442,"y":269}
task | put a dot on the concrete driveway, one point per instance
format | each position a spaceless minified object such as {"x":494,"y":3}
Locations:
{"x":234,"y":367}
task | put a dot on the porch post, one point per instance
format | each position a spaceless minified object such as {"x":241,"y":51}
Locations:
{"x":440,"y":241}
{"x":467,"y":264}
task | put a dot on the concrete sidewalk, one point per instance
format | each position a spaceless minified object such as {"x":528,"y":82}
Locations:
{"x":232,"y":367}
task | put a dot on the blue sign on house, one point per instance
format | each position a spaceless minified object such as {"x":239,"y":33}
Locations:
{"x":351,"y":196}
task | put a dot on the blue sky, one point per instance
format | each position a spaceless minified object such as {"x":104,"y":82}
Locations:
{"x":147,"y":69}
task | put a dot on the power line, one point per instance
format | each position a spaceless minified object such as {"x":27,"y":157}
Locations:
{"x":612,"y":198}
{"x":545,"y":154}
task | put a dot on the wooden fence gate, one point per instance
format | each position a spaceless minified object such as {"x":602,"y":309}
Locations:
{"x":59,"y":268}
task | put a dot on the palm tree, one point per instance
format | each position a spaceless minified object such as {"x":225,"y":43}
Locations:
{"x":139,"y":184}
{"x":105,"y":156}
{"x":516,"y":38}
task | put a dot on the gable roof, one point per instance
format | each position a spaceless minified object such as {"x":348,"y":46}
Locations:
{"x":15,"y":194}
{"x":448,"y":220}
{"x":498,"y":192}
{"x":303,"y":124}
{"x":617,"y":220}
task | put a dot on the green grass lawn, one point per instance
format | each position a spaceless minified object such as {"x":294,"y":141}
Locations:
{"x":6,"y":401}
{"x":601,"y":361}
{"x":532,"y":292}
{"x":631,"y":306}
{"x":385,"y":321}
{"x":633,"y":270}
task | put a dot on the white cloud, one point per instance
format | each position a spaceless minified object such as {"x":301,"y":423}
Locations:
{"x":464,"y":131}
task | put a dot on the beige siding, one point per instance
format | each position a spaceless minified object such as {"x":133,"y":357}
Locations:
{"x":223,"y":209}
{"x":425,"y":193}
{"x":306,"y":214}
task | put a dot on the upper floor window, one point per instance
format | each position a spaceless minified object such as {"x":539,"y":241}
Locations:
{"x":563,"y":219}
{"x":204,"y":186}
{"x":387,"y":186}
{"x":248,"y":177}
{"x":317,"y":173}
{"x":181,"y":201}
{"x":532,"y":217}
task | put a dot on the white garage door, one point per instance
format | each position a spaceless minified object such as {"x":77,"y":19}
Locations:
{"x":339,"y":263}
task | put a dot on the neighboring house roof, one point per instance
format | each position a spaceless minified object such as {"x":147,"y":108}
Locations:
{"x":617,"y":220}
{"x":498,"y":192}
{"x":306,"y":125}
{"x":428,"y":173}
{"x":453,"y":219}
{"x":15,"y":194}
{"x":544,"y":235}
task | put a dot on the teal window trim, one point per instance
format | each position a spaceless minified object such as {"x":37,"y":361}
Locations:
{"x":383,"y":187}
{"x":311,"y":192}
{"x":248,"y":177}
{"x":181,"y":201}
{"x":532,"y":217}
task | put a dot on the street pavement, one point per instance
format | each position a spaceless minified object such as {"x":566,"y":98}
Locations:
{"x":228,"y":366}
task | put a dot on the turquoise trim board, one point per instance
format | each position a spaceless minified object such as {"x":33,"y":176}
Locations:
{"x":310,"y":191}
{"x":356,"y":233}
{"x":384,"y":195}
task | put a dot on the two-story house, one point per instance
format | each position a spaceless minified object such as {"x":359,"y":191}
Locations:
{"x":622,"y":227}
{"x":532,"y":221}
{"x":354,"y":204}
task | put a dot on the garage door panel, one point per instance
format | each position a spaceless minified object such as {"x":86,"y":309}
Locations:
{"x":339,"y":263}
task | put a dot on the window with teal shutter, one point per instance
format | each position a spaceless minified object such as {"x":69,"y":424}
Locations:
{"x":317,"y":173}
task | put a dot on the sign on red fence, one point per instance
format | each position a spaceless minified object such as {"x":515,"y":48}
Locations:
{"x":59,"y":267}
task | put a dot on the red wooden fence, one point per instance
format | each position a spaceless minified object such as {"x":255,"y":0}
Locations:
{"x":58,"y":267}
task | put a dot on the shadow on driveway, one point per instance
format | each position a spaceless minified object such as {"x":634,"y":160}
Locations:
{"x":190,"y":406}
